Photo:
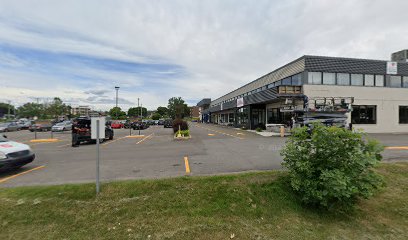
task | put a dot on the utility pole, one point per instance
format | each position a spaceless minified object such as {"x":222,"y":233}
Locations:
{"x":117,"y":90}
{"x":8,"y":108}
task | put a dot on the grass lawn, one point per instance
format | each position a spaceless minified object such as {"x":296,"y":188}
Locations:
{"x":244,"y":206}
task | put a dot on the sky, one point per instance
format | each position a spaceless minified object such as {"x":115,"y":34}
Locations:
{"x":153,"y":50}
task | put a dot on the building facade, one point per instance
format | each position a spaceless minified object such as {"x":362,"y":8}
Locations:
{"x":369,"y":94}
{"x":81,"y":111}
{"x":203,"y":110}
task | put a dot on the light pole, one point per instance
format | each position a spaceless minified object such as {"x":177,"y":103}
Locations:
{"x":117,"y":90}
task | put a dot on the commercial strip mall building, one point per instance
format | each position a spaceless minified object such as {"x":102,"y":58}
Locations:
{"x":368,"y":94}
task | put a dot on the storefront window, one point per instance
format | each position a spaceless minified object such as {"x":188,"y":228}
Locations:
{"x":405,"y":82}
{"x":231,"y":118}
{"x":364,"y":114}
{"x":329,"y":78}
{"x":286,"y":81}
{"x":403,"y":114}
{"x":242,"y":116}
{"x":315,"y":78}
{"x":379,"y":80}
{"x":395,"y":81}
{"x":357,"y":79}
{"x":343,"y":79}
{"x":273,"y":115}
{"x":369,"y":80}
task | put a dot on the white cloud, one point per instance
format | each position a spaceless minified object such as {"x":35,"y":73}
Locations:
{"x":221,"y":44}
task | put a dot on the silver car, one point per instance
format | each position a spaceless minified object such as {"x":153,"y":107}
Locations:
{"x":62,"y":126}
{"x":10,"y":126}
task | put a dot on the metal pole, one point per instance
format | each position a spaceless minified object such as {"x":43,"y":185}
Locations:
{"x":52,"y":134}
{"x":35,"y":133}
{"x":97,"y":156}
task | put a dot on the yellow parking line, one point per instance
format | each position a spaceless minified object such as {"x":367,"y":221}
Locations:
{"x":19,"y":174}
{"x":397,"y":148}
{"x":211,"y":134}
{"x":187,"y":165}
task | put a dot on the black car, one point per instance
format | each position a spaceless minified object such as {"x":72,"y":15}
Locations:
{"x":168,"y":123}
{"x":139,"y":125}
{"x":81,"y":131}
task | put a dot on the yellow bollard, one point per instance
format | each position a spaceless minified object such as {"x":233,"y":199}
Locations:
{"x":282,"y":131}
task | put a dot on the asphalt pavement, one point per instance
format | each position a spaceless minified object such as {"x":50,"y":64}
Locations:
{"x":212,"y":149}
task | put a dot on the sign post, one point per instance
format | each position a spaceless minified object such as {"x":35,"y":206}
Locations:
{"x":97,"y":133}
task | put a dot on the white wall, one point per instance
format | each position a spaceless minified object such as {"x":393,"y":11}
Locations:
{"x":387,"y":100}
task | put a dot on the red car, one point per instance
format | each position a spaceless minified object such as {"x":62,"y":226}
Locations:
{"x":117,"y":125}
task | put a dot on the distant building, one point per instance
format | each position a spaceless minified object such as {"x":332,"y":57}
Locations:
{"x":203,"y":109}
{"x":194,"y":112}
{"x":81,"y":110}
{"x":401,"y":56}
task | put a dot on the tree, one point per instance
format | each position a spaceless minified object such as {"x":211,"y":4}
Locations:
{"x":30,"y":110}
{"x":331,"y":166}
{"x":177,"y":108}
{"x":57,"y":108}
{"x":156,"y":116}
{"x":117,"y":113}
{"x":135,"y":112}
{"x":5,"y":108}
{"x":162,"y":111}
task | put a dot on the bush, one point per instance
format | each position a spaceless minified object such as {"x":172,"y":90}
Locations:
{"x":258,"y":129}
{"x":184,"y":133}
{"x":179,"y":122}
{"x":332,"y":166}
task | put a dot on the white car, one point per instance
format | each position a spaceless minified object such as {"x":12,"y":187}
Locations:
{"x":14,"y":155}
{"x":62,"y":126}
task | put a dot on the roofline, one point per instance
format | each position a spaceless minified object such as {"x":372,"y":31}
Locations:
{"x":298,"y":59}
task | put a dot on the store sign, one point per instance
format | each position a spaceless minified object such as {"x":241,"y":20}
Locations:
{"x":291,"y":108}
{"x":240,"y":102}
{"x":392,"y":68}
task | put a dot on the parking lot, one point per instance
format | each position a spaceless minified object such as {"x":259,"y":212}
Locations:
{"x":155,"y":154}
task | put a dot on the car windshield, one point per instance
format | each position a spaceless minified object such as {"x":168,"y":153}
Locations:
{"x":4,"y":124}
{"x":60,"y":124}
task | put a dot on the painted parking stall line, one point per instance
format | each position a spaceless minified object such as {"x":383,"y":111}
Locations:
{"x":187,"y":165}
{"x":216,"y":131}
{"x":397,"y":148}
{"x":145,"y":138}
{"x":19,"y":174}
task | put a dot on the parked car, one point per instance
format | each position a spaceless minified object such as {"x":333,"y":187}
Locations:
{"x":40,"y":127}
{"x":168,"y":123}
{"x":139,"y":125}
{"x":13,"y":154}
{"x":26,"y":124}
{"x":62,"y":126}
{"x":9,"y":126}
{"x":160,"y":122}
{"x":117,"y":125}
{"x":81,"y":131}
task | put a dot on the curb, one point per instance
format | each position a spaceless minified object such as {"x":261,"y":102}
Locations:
{"x":44,"y":140}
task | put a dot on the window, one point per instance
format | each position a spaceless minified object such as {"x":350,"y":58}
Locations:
{"x":297,"y":79}
{"x":395,"y":81}
{"x":379,"y":80}
{"x":369,"y":80}
{"x":271,"y":85}
{"x":278,"y":83}
{"x":357,"y":79}
{"x":272,"y":115}
{"x":315,"y":77}
{"x":329,"y":78}
{"x":286,"y":81}
{"x":343,"y":79}
{"x":364,"y":114}
{"x":231,"y":118}
{"x":403,"y":114}
{"x":405,"y":82}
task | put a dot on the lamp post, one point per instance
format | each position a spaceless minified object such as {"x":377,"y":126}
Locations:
{"x":117,"y":90}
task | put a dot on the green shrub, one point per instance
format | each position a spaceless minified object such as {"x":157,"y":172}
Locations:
{"x":258,"y":129}
{"x":183,"y":133}
{"x":332,"y":166}
{"x":179,"y":124}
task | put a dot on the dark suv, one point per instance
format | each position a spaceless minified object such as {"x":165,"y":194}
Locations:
{"x":81,"y":131}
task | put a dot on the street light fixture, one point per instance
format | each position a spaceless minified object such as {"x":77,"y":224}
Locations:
{"x":117,"y":90}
